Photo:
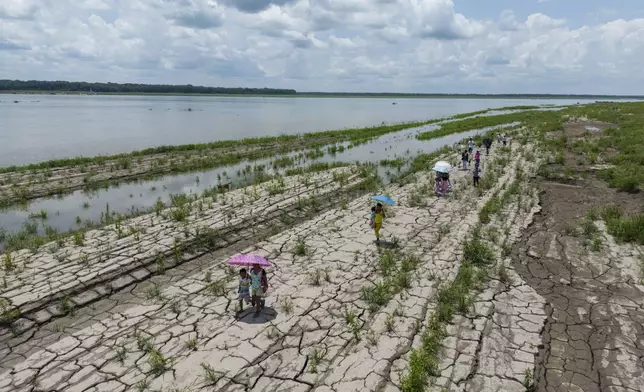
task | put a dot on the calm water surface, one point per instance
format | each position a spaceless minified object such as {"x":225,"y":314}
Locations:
{"x":44,"y":127}
{"x":62,"y":212}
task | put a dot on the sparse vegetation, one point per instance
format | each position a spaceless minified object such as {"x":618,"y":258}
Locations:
{"x":315,"y":358}
{"x":300,"y":249}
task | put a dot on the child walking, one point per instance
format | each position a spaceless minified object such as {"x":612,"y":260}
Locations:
{"x":244,"y":288}
{"x":379,"y":214}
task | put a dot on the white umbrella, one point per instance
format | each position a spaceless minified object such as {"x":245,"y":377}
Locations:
{"x":442,"y":167}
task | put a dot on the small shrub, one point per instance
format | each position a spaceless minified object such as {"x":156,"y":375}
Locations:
{"x":286,"y":304}
{"x":191,"y":344}
{"x":158,"y":363}
{"x":121,"y":353}
{"x":390,"y":323}
{"x":210,"y":374}
{"x":477,"y":253}
{"x":301,"y":249}
{"x":315,"y":358}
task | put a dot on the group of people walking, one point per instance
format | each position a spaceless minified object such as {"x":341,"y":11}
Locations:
{"x":467,"y":155}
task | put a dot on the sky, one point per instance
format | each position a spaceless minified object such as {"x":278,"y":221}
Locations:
{"x":414,"y":46}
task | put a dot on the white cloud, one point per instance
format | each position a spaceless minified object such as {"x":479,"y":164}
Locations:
{"x":341,"y":45}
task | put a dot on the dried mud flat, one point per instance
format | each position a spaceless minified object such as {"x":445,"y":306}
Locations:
{"x":173,"y":325}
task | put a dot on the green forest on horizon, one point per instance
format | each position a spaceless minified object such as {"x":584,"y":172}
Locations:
{"x":42,"y":86}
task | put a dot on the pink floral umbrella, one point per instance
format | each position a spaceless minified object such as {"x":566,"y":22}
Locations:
{"x":249,"y":260}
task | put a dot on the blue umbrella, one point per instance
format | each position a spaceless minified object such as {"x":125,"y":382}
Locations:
{"x":385,"y":199}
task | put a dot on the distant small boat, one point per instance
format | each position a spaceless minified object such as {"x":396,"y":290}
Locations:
{"x":394,"y":103}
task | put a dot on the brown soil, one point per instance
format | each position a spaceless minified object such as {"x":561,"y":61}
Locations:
{"x":580,"y":326}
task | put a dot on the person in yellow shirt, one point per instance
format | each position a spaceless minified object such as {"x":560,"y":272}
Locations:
{"x":379,"y":214}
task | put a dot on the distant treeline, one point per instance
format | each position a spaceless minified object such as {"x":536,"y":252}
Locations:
{"x":472,"y":95}
{"x":132,"y":88}
{"x":7,"y":85}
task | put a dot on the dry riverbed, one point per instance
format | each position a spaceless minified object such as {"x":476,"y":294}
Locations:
{"x":488,"y":289}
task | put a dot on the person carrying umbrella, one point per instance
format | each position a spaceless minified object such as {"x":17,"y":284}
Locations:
{"x":379,"y":215}
{"x":257,"y":276}
{"x":258,"y":286}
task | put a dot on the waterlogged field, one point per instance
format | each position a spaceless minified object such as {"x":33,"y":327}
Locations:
{"x":531,"y":281}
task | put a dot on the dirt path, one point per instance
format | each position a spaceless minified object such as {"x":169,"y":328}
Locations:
{"x":593,"y":339}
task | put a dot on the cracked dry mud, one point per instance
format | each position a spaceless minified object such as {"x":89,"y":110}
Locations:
{"x":177,"y":329}
{"x":594,"y":335}
{"x":301,"y":341}
{"x":118,"y":255}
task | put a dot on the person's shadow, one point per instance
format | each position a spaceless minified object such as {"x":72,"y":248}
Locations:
{"x":385,"y":244}
{"x":248,"y":316}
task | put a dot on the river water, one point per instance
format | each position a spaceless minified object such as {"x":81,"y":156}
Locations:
{"x":43,"y":127}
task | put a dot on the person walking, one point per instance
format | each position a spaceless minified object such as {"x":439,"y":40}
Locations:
{"x":465,"y":158}
{"x":476,"y":175}
{"x":477,"y":157}
{"x":379,"y":214}
{"x":470,"y":145}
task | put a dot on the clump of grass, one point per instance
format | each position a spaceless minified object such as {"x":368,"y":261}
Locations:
{"x":377,"y":296}
{"x":301,"y":249}
{"x":79,"y":238}
{"x":528,"y":382}
{"x":477,"y":253}
{"x":596,"y":244}
{"x":142,"y":385}
{"x":121,"y":353}
{"x":286,"y":304}
{"x":7,"y":314}
{"x":315,"y":358}
{"x":569,"y":229}
{"x":624,"y":228}
{"x":191,"y":344}
{"x":8,"y":263}
{"x":143,"y":342}
{"x":493,"y":206}
{"x":315,"y":277}
{"x":66,"y":306}
{"x":589,"y":228}
{"x":217,"y":288}
{"x":210,"y":374}
{"x":154,"y":293}
{"x":390,"y":323}
{"x":371,"y":338}
{"x":158,"y":363}
{"x":387,"y":263}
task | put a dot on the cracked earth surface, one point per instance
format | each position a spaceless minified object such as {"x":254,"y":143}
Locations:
{"x":179,"y":330}
{"x":491,"y":348}
{"x":112,"y":258}
{"x":593,"y":339}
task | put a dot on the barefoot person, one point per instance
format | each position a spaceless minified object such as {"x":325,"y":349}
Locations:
{"x":379,"y":214}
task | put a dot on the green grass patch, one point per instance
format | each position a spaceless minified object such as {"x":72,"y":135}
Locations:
{"x":624,"y":228}
{"x":455,"y":297}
